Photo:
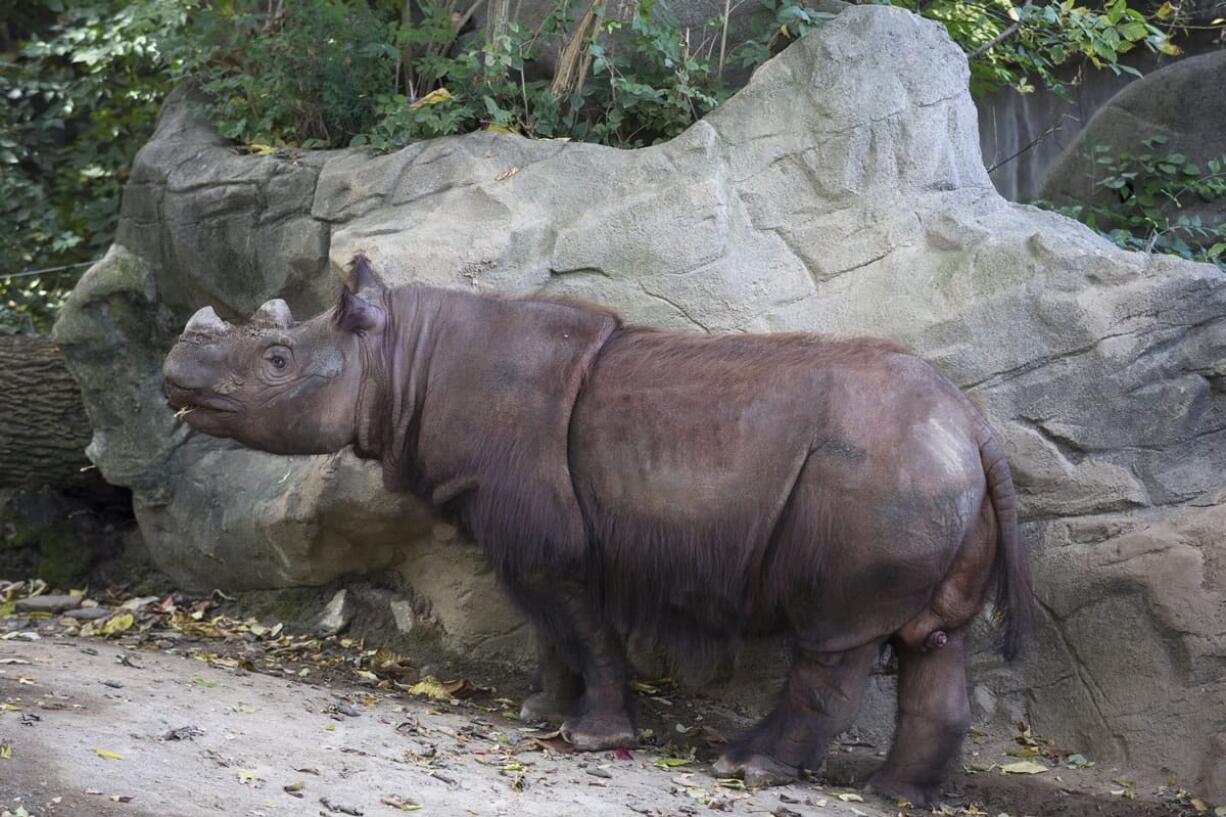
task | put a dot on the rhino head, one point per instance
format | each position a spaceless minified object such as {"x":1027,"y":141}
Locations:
{"x":276,"y":384}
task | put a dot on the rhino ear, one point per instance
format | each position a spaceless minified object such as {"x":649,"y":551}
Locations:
{"x":355,"y":314}
{"x":362,"y":280}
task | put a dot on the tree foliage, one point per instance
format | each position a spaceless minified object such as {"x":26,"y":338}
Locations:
{"x":83,"y":80}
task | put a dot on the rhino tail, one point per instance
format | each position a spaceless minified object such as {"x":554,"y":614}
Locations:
{"x":1014,"y":600}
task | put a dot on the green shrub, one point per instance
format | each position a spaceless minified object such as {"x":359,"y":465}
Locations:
{"x":1018,"y":45}
{"x":1146,"y":195}
{"x":81,"y":92}
{"x":329,"y":73}
{"x":83,"y":80}
{"x":307,"y":75}
{"x":28,"y":305}
{"x":80,"y":99}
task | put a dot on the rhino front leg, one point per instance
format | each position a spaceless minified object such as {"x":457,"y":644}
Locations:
{"x":602,"y":719}
{"x":557,"y":687}
{"x":820,"y":700}
{"x":934,"y":713}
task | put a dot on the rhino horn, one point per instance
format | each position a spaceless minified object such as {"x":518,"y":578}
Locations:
{"x":206,"y":322}
{"x":274,"y":313}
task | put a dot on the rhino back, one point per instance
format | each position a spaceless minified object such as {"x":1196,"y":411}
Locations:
{"x":689,"y":453}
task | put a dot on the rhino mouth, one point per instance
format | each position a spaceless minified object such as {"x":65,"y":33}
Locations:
{"x":186,"y":401}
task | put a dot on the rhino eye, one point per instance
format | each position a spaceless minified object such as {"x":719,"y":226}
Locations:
{"x":278,"y":359}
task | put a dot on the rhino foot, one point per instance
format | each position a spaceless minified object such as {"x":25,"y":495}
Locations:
{"x":923,"y":795}
{"x":755,"y":769}
{"x":595,"y":732}
{"x":541,"y":706}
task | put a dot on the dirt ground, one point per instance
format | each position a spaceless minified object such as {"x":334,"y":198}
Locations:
{"x":177,"y":712}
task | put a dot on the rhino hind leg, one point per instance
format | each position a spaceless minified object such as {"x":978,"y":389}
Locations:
{"x":584,"y":661}
{"x":602,"y":719}
{"x":933,"y":716}
{"x":556,"y":689}
{"x":820,"y":699}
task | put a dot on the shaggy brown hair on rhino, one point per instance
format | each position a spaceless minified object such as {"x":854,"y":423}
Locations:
{"x":691,"y":490}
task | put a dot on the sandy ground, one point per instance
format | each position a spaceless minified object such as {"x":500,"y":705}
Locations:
{"x":261,"y":734}
{"x":137,"y":725}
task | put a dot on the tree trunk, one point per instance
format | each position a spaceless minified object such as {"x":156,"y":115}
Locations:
{"x":43,"y":427}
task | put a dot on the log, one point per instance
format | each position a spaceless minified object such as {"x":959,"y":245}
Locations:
{"x":43,"y":426}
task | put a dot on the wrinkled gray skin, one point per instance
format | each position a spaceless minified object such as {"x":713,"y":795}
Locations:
{"x":295,"y":391}
{"x":693,"y":489}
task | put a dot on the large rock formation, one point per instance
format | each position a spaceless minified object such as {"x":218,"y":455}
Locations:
{"x":841,"y":191}
{"x":1180,"y":103}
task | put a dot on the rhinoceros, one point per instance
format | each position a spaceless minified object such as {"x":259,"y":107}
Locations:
{"x":690,"y":490}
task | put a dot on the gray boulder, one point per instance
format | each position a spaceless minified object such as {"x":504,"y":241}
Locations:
{"x":841,"y":191}
{"x":1181,"y":102}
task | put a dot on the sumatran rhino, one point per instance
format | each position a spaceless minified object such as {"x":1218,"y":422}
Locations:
{"x":688,"y":489}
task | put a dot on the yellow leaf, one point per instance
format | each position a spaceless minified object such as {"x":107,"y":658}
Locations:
{"x":670,"y":762}
{"x":118,"y":624}
{"x":6,"y":751}
{"x":1024,"y":767}
{"x":849,"y":797}
{"x":1164,"y":11}
{"x":498,"y":128}
{"x":430,"y":688}
{"x":432,"y":98}
{"x":107,"y":755}
{"x":502,"y":177}
{"x":1169,"y":48}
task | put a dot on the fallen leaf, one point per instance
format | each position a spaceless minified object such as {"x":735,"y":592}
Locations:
{"x":671,"y":762}
{"x":848,"y":797}
{"x":1200,"y":805}
{"x":506,"y":174}
{"x":200,"y":682}
{"x":295,"y":789}
{"x":6,"y":751}
{"x":340,"y":807}
{"x":107,"y":755}
{"x":402,"y":803}
{"x":117,"y":624}
{"x":121,"y":798}
{"x":431,"y":688}
{"x":1024,"y":767}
